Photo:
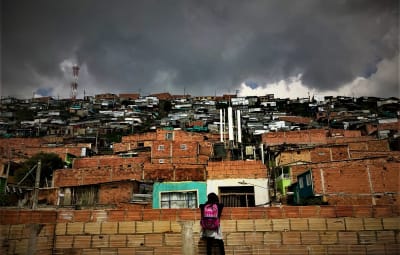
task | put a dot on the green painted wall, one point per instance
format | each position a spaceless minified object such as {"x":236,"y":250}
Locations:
{"x":200,"y":187}
{"x":282,"y":184}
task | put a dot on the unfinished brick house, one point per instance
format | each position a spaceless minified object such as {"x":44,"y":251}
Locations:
{"x":308,"y":166}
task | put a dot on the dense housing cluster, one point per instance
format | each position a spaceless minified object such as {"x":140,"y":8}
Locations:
{"x":170,"y":151}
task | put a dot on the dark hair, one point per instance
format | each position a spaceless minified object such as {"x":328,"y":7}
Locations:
{"x":212,"y":198}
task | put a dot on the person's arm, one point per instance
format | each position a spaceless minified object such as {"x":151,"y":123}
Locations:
{"x":201,"y":206}
{"x":220,"y":208}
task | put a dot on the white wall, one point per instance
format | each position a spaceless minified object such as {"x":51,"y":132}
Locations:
{"x":260,"y":187}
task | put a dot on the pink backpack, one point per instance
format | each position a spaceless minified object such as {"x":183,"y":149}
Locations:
{"x":210,"y":218}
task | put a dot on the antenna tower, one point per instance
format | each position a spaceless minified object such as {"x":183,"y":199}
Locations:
{"x":74,"y":83}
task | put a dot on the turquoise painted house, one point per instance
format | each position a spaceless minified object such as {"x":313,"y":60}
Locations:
{"x":188,"y":194}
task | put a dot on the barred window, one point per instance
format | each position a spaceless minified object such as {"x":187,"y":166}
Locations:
{"x":179,"y":199}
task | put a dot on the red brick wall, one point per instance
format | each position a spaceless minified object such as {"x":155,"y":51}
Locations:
{"x":317,"y":154}
{"x":174,"y":172}
{"x":345,"y":133}
{"x":236,"y":169}
{"x":95,"y":175}
{"x":148,"y":136}
{"x":173,"y":150}
{"x":116,"y":193}
{"x":179,"y":135}
{"x":104,"y":161}
{"x":348,"y":181}
{"x":311,"y":136}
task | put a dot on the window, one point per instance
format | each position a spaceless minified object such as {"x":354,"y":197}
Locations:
{"x":179,"y":199}
{"x":237,"y":196}
{"x":161,"y":147}
{"x":308,"y":179}
{"x":169,"y":136}
{"x":301,"y":184}
{"x":183,"y":147}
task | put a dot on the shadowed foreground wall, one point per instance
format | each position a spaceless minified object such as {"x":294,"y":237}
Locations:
{"x":274,"y":230}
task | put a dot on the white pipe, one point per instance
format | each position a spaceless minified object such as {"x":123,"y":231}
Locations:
{"x":230,"y":124}
{"x":239,"y":127}
{"x":220,"y":126}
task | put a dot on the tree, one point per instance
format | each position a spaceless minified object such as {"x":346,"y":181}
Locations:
{"x":50,"y":162}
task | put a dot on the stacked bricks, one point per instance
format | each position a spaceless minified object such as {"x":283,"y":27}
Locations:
{"x":264,"y":230}
{"x":107,"y":161}
{"x":174,"y":172}
{"x":236,"y":169}
{"x":314,"y":155}
{"x":365,"y":181}
{"x":95,"y":175}
{"x":311,"y":136}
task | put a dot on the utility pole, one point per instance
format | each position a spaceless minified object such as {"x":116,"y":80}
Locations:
{"x":37,"y":183}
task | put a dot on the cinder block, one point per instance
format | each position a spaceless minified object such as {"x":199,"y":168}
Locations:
{"x":373,"y":224}
{"x":61,"y":229}
{"x":335,"y":224}
{"x":316,"y":224}
{"x":117,"y":241}
{"x":291,"y":238}
{"x":254,"y":238}
{"x":173,"y":239}
{"x":298,"y":224}
{"x":16,"y":231}
{"x":391,"y":223}
{"x":64,"y":242}
{"x":153,"y":240}
{"x":354,"y":224}
{"x":272,"y":238}
{"x":92,"y":228}
{"x":135,"y":240}
{"x":126,"y":227}
{"x":317,"y":250}
{"x":280,"y":225}
{"x":100,"y":241}
{"x":75,"y":228}
{"x":44,"y":245}
{"x":328,"y":237}
{"x":125,"y":251}
{"x":228,"y":225}
{"x":83,"y":242}
{"x":144,"y":227}
{"x":337,"y":249}
{"x":392,"y":248}
{"x":387,"y":237}
{"x":347,"y":237}
{"x":263,"y":225}
{"x":176,"y":227}
{"x":161,"y":226}
{"x":21,"y":246}
{"x":164,"y":251}
{"x":356,"y":249}
{"x":376,"y":249}
{"x":245,"y":225}
{"x":367,"y":237}
{"x":311,"y":237}
{"x":235,"y":238}
{"x":110,"y":228}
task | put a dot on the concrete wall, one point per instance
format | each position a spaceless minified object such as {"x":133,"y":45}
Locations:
{"x":276,"y":230}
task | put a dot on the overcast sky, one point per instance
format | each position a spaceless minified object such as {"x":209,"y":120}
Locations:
{"x":205,"y":47}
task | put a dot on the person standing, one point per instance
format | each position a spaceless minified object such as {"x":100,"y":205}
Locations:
{"x":210,"y":223}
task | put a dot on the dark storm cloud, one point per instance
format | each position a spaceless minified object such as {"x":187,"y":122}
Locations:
{"x":201,"y":47}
